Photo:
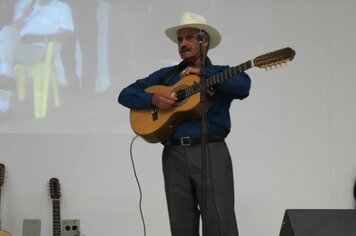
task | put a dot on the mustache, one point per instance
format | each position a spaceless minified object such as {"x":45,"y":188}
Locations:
{"x":184,"y":49}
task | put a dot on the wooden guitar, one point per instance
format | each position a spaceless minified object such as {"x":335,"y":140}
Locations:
{"x":2,"y":177}
{"x":155,"y":125}
{"x":55,"y":194}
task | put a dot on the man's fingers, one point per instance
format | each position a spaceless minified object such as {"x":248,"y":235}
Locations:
{"x":163,"y":100}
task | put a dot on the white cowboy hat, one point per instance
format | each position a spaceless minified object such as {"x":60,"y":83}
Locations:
{"x":193,"y":20}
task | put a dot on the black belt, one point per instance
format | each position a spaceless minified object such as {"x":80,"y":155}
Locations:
{"x":190,"y":141}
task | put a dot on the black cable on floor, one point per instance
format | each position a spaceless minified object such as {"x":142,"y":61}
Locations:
{"x":139,"y":186}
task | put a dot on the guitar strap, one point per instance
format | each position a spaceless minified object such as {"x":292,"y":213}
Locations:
{"x":172,"y":72}
{"x":178,"y":68}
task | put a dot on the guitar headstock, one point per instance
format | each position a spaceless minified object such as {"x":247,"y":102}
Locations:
{"x":54,"y":188}
{"x":274,"y":58}
{"x":2,"y":174}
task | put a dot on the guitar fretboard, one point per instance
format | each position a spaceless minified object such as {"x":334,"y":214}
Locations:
{"x":56,"y":217}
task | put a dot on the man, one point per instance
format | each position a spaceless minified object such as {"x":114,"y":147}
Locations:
{"x":182,"y":150}
{"x":35,"y":23}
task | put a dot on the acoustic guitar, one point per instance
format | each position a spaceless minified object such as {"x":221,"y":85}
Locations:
{"x":55,"y":194}
{"x":155,"y":125}
{"x":2,"y":177}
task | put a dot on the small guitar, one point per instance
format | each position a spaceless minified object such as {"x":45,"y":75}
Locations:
{"x":2,"y":177}
{"x":155,"y":125}
{"x":55,"y":194}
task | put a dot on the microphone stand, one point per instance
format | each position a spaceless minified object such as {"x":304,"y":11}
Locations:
{"x":203,"y":131}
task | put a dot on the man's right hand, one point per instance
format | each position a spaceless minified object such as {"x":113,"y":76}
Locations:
{"x":20,"y":22}
{"x":163,"y":100}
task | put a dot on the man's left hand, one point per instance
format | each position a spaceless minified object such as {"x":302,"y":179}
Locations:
{"x":190,"y":71}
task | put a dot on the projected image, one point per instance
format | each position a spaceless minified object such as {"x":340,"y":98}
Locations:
{"x":54,"y":63}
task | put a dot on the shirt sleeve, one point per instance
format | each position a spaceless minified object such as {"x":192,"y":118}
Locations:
{"x":66,"y":18}
{"x":237,"y":86}
{"x":135,"y":97}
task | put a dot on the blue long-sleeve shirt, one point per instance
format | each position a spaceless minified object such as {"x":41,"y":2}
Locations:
{"x":218,"y":115}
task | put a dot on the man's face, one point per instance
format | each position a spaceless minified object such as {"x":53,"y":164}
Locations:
{"x":188,"y":44}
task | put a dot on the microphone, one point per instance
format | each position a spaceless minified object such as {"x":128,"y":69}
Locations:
{"x":201,"y":35}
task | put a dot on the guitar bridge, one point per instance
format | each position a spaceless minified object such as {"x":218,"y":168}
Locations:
{"x":154,"y":114}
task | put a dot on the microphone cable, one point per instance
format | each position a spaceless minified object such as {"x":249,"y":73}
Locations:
{"x":139,"y":186}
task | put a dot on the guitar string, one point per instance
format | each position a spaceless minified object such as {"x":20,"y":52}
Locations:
{"x":139,"y":186}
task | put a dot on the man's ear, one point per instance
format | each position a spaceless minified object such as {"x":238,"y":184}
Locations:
{"x":206,"y":42}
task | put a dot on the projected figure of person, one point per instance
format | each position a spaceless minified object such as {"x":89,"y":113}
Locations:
{"x":6,"y":14}
{"x":182,"y":149}
{"x":35,"y":22}
{"x":90,"y":42}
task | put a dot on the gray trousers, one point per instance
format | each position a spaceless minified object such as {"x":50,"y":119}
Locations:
{"x":183,"y":186}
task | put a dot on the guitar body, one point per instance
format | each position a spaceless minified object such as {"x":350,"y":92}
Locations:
{"x":4,"y":233}
{"x":157,"y":125}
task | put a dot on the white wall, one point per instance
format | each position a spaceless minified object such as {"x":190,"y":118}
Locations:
{"x":292,"y":141}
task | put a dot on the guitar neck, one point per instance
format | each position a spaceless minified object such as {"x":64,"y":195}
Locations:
{"x":220,"y":77}
{"x":56,"y":217}
{"x":214,"y":80}
{"x":0,"y":207}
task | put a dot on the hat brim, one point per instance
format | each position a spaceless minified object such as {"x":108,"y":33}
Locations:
{"x":214,"y":35}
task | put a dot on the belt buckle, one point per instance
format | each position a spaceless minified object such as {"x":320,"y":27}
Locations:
{"x":185,"y":141}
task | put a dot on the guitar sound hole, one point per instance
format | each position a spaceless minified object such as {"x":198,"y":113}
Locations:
{"x":181,"y":94}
